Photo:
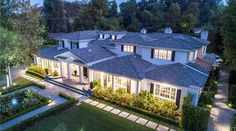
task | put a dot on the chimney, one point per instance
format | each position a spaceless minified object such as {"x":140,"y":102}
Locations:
{"x":168,"y":30}
{"x":143,"y":30}
{"x":204,"y":35}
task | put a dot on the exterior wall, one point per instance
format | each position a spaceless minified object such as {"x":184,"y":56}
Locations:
{"x":181,"y":57}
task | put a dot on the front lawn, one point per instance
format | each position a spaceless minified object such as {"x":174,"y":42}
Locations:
{"x":86,"y":118}
{"x":20,"y":103}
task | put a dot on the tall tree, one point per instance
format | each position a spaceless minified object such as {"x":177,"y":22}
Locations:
{"x":112,"y":9}
{"x":228,"y":33}
{"x":54,"y":14}
{"x":173,"y":16}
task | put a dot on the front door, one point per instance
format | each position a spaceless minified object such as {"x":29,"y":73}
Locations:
{"x":85,"y":72}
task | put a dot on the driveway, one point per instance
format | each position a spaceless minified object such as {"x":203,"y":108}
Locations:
{"x":221,"y":115}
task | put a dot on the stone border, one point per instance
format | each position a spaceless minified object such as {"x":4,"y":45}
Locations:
{"x":128,"y":116}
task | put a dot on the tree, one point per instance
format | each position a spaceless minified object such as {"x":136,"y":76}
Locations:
{"x":112,"y":9}
{"x":54,"y":15}
{"x":228,"y":33}
{"x":9,"y":49}
{"x":173,"y":16}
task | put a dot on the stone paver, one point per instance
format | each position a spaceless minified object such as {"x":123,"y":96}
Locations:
{"x":221,"y":115}
{"x":162,"y":128}
{"x":132,"y":117}
{"x":151,"y":124}
{"x":108,"y":108}
{"x":94,"y":103}
{"x":88,"y":101}
{"x":116,"y":111}
{"x":101,"y":105}
{"x":124,"y":114}
{"x":172,"y":130}
{"x":142,"y":121}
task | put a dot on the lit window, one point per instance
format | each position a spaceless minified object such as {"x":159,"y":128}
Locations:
{"x":162,"y":54}
{"x":195,"y":56}
{"x":190,"y":56}
{"x":113,"y":37}
{"x":128,"y":48}
{"x":165,"y":92}
{"x":101,"y":36}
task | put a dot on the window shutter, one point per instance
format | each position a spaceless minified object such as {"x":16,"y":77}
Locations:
{"x":122,"y":47}
{"x":152,"y":53}
{"x":110,"y":37}
{"x":102,"y":36}
{"x":173,"y":56}
{"x":70,"y":45}
{"x":178,"y":96}
{"x":77,"y":45}
{"x":115,"y":37}
{"x":151,"y":88}
{"x":63,"y":44}
{"x":134,"y":49}
{"x":98,"y":35}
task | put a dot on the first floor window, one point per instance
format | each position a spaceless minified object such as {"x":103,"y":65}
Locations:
{"x":195,"y":56}
{"x":165,"y":92}
{"x":128,"y":48}
{"x":162,"y":54}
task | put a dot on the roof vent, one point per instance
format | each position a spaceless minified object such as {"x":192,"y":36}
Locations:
{"x":204,"y":35}
{"x":89,"y":50}
{"x":168,"y":30}
{"x":143,"y":30}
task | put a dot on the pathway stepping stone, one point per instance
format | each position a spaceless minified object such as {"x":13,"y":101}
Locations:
{"x":124,"y":114}
{"x":101,"y":105}
{"x":151,"y":124}
{"x":88,"y":101}
{"x":116,"y":111}
{"x":94,"y":103}
{"x":108,"y":108}
{"x":142,"y":121}
{"x":132,"y":117}
{"x":162,"y":128}
{"x":172,"y":130}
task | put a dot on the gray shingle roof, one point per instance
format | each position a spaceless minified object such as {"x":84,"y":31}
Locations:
{"x":132,"y":66}
{"x":92,"y":53}
{"x":79,"y":35}
{"x":103,"y":43}
{"x":177,"y":74}
{"x":203,"y":64}
{"x":50,"y":52}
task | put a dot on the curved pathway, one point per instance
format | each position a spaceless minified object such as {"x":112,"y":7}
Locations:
{"x":221,"y":115}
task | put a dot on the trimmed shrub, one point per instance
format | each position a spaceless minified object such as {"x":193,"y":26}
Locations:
{"x":207,"y":98}
{"x":35,"y":74}
{"x":55,"y":73}
{"x":37,"y":69}
{"x":47,"y":71}
{"x":194,"y":118}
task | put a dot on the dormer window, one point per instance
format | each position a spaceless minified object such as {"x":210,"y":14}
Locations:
{"x":113,"y":37}
{"x":61,"y":44}
{"x":100,"y":36}
{"x":128,"y":48}
{"x":74,"y":45}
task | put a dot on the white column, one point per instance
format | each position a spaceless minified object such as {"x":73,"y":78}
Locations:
{"x":137,"y":87}
{"x":42,"y":62}
{"x":101,"y":79}
{"x":35,"y":60}
{"x":80,"y":74}
{"x":113,"y":83}
{"x":69,"y":70}
{"x":90,"y":75}
{"x":61,"y":69}
{"x":52,"y":66}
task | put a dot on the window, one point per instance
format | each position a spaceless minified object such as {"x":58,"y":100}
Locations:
{"x":195,"y":56}
{"x":162,"y":54}
{"x":128,"y":48}
{"x":101,"y":36}
{"x":74,"y":45}
{"x":60,"y":43}
{"x":113,"y":37}
{"x":165,"y":92}
{"x":190,"y":56}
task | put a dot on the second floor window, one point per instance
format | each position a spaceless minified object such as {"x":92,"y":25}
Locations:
{"x":113,"y":37}
{"x":101,"y":36}
{"x":190,"y":56}
{"x":128,"y":48}
{"x":74,"y":45}
{"x":162,"y":54}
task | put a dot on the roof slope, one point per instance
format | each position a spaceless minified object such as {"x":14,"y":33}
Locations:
{"x":50,"y":52}
{"x":92,"y":53}
{"x":203,"y":64}
{"x":132,"y":66}
{"x":103,"y":43}
{"x":79,"y":35}
{"x":177,"y":74}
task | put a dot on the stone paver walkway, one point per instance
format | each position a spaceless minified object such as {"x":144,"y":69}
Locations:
{"x":128,"y":116}
{"x":221,"y":115}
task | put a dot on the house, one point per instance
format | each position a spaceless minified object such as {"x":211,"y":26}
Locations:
{"x":168,"y":65}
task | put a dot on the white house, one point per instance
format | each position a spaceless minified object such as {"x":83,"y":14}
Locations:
{"x":167,"y":65}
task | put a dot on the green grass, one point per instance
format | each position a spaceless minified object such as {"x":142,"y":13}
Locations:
{"x":86,"y":118}
{"x":138,"y":114}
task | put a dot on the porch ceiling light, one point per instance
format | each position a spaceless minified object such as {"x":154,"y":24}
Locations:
{"x":71,"y":58}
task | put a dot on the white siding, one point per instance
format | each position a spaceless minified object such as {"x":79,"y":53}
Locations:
{"x":181,"y":57}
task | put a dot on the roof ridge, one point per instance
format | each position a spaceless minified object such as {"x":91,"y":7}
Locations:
{"x":133,"y":65}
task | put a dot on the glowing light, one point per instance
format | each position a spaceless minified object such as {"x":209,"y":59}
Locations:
{"x":14,"y":101}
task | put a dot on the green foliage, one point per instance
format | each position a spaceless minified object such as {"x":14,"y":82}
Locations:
{"x":28,"y":100}
{"x":55,"y":73}
{"x":206,"y":98}
{"x":233,"y":122}
{"x":232,"y":77}
{"x":47,"y":71}
{"x":37,"y":69}
{"x":35,"y":74}
{"x":193,"y":117}
{"x":232,"y":95}
{"x":144,"y":101}
{"x":188,"y":100}
{"x":228,"y":33}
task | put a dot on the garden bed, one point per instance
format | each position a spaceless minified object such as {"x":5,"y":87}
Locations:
{"x":19,"y":83}
{"x":232,"y":89}
{"x":20,"y":103}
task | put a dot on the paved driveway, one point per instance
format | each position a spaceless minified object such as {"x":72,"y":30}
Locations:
{"x":221,"y":115}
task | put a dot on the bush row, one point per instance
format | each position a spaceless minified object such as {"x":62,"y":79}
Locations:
{"x":31,"y":121}
{"x":35,"y":74}
{"x":144,"y":103}
{"x":37,"y":69}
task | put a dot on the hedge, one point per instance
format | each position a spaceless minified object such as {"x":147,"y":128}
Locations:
{"x":31,"y":121}
{"x":37,"y":69}
{"x":35,"y":74}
